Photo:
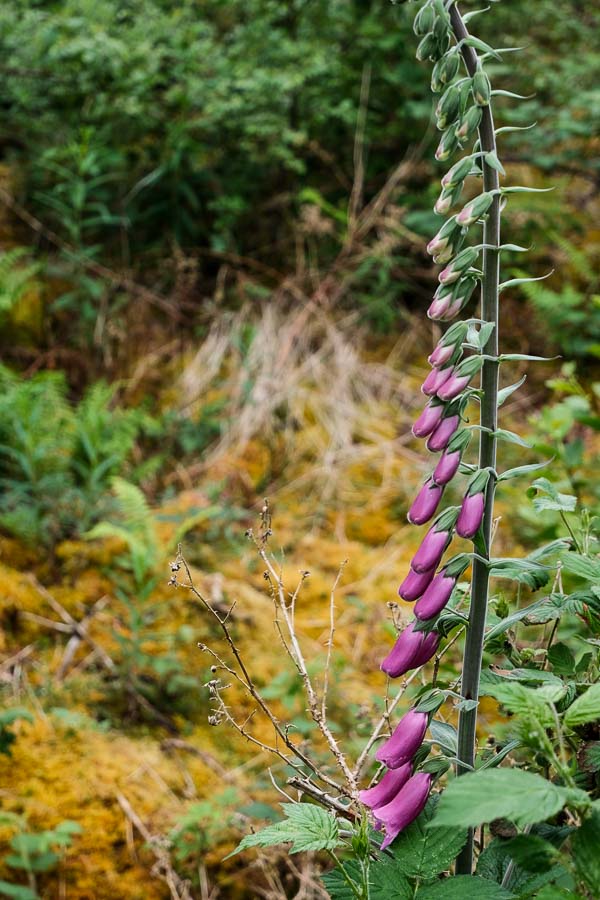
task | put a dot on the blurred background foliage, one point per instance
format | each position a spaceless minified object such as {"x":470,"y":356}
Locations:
{"x":212,"y":285}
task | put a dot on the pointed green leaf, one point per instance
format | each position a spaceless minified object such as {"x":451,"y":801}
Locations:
{"x":505,"y":393}
{"x":585,"y":843}
{"x":585,"y":709}
{"x":306,"y":827}
{"x":523,"y":470}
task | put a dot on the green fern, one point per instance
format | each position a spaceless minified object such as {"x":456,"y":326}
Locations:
{"x":16,"y":278}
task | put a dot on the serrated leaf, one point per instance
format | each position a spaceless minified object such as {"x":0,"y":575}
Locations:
{"x":524,"y":571}
{"x":306,"y":827}
{"x":523,"y":701}
{"x":337,"y":886}
{"x":464,"y":887}
{"x":532,"y":853}
{"x":424,"y":852}
{"x":585,"y":843}
{"x":583,"y":566}
{"x":482,"y":796}
{"x":585,"y":709}
{"x":506,"y":623}
{"x":561,"y":659}
{"x":505,"y":393}
{"x":553,"y":499}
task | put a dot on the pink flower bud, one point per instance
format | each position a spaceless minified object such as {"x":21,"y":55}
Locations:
{"x":441,"y":355}
{"x":435,"y":380}
{"x":449,"y":275}
{"x":442,"y":205}
{"x":436,"y":245}
{"x":425,"y":504}
{"x":408,"y":803}
{"x":447,"y":467}
{"x":428,"y":649}
{"x":439,"y":307}
{"x":442,"y":434}
{"x":431,"y":550}
{"x":388,"y":787}
{"x":452,"y":386}
{"x":415,"y":584}
{"x":405,"y":741}
{"x":409,"y":647}
{"x":471,"y":515}
{"x":435,"y":597}
{"x":428,"y":420}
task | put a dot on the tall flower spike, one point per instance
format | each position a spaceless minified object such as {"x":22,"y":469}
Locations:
{"x":415,"y":584}
{"x":435,"y":541}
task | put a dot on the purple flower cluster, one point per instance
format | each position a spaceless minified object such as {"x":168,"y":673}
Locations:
{"x":402,"y":793}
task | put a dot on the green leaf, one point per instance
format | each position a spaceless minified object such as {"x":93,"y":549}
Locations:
{"x":585,"y":843}
{"x":493,"y":161}
{"x":583,"y":566}
{"x":482,"y":46}
{"x":17,"y":891}
{"x":532,"y":853}
{"x":561,"y":659}
{"x":511,"y":438}
{"x":306,"y":827}
{"x":423,"y":852}
{"x":524,"y":571}
{"x":479,"y":797}
{"x":553,"y":500}
{"x":515,"y":282}
{"x":523,"y":701}
{"x":505,"y":393}
{"x":464,"y":887}
{"x":445,"y":735}
{"x":387,"y":881}
{"x":585,"y":709}
{"x":513,"y":619}
{"x":523,"y":470}
{"x":337,"y":886}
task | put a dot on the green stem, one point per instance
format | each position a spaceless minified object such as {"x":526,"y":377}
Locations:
{"x":487,"y":441}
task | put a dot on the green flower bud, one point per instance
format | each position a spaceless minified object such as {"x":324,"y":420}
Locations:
{"x":469,"y":123}
{"x":428,"y":48}
{"x":481,"y":87}
{"x":457,"y":173}
{"x":445,"y":70}
{"x":449,"y":106}
{"x":424,"y":20}
{"x":447,"y":145}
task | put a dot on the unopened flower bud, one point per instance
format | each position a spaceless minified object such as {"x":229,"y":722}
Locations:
{"x":428,"y":48}
{"x":469,"y":123}
{"x":459,"y":264}
{"x":471,"y":515}
{"x":411,"y":650}
{"x":435,"y":541}
{"x":415,"y":584}
{"x":449,"y":461}
{"x":461,"y":376}
{"x":482,"y":90}
{"x":429,"y":419}
{"x":424,"y":20}
{"x":440,"y":590}
{"x":425,"y":504}
{"x":458,"y":173}
{"x":440,"y":437}
{"x":448,"y":108}
{"x":445,"y":70}
{"x":447,"y":145}
{"x":448,"y":344}
{"x":475,"y":209}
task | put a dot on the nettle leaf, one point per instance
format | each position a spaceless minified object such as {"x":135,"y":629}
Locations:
{"x":506,"y":623}
{"x":387,"y":881}
{"x":525,"y":571}
{"x":561,"y":659}
{"x":423,"y":852}
{"x":528,"y":702}
{"x":553,"y":607}
{"x":464,"y":887}
{"x":532,"y":853}
{"x":585,"y":843}
{"x":479,"y":797}
{"x":584,"y":566}
{"x":585,"y":709}
{"x":592,"y":756}
{"x":337,"y":886}
{"x":553,"y":499}
{"x":306,"y":827}
{"x":552,"y":892}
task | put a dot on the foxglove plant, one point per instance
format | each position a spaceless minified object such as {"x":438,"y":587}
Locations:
{"x":463,"y":110}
